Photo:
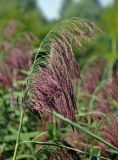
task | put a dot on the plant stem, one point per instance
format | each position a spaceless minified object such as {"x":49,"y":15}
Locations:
{"x":84,"y":130}
{"x":62,"y":146}
{"x":54,"y":128}
{"x":18,"y":136}
{"x":59,"y":145}
{"x":114,"y":53}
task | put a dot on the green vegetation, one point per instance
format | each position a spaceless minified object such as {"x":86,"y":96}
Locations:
{"x":74,"y":108}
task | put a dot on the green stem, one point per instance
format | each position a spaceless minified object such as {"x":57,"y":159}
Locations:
{"x":41,"y":134}
{"x":59,"y":145}
{"x":18,"y":136}
{"x":54,"y":128}
{"x":62,"y":146}
{"x":114,"y":46}
{"x":114,"y":53}
{"x":26,"y":157}
{"x":84,"y":130}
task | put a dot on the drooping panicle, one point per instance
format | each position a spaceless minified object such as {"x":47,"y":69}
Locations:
{"x":109,"y":132}
{"x":53,"y":152}
{"x":54,"y":76}
{"x":93,"y":76}
{"x":5,"y":75}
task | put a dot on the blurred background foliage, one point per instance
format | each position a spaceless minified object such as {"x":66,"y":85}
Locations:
{"x":22,"y":27}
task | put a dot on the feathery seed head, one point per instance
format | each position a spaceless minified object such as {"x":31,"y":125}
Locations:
{"x":54,"y":76}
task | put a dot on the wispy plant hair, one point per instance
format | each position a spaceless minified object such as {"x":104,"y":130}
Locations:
{"x":109,"y":132}
{"x":54,"y":76}
{"x":5,"y":75}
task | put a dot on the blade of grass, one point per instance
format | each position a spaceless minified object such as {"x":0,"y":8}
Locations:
{"x":18,"y":136}
{"x":60,"y":145}
{"x":77,"y":126}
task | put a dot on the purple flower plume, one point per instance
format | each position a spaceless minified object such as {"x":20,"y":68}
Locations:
{"x":109,"y":92}
{"x":18,"y":59}
{"x":54,"y":88}
{"x":54,"y":76}
{"x":10,"y":29}
{"x":93,"y":76}
{"x":5,"y":75}
{"x":109,"y":132}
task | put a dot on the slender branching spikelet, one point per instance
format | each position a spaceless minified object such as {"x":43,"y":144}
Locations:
{"x":79,"y":141}
{"x":5,"y":75}
{"x":91,"y":80}
{"x":5,"y":46}
{"x":109,"y":132}
{"x":93,"y":76}
{"x":11,"y":65}
{"x":25,"y":41}
{"x":18,"y":59}
{"x":106,"y":97}
{"x":109,"y":92}
{"x":11,"y":28}
{"x":103,"y":105}
{"x":54,"y":75}
{"x":51,"y":152}
{"x":20,"y":56}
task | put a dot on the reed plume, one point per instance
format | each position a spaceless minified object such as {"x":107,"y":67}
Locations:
{"x":5,"y":75}
{"x":54,"y":76}
{"x":109,"y":92}
{"x":93,"y":76}
{"x":109,"y":132}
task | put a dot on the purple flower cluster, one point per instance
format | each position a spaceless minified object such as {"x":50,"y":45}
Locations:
{"x":15,"y":56}
{"x":53,"y":79}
